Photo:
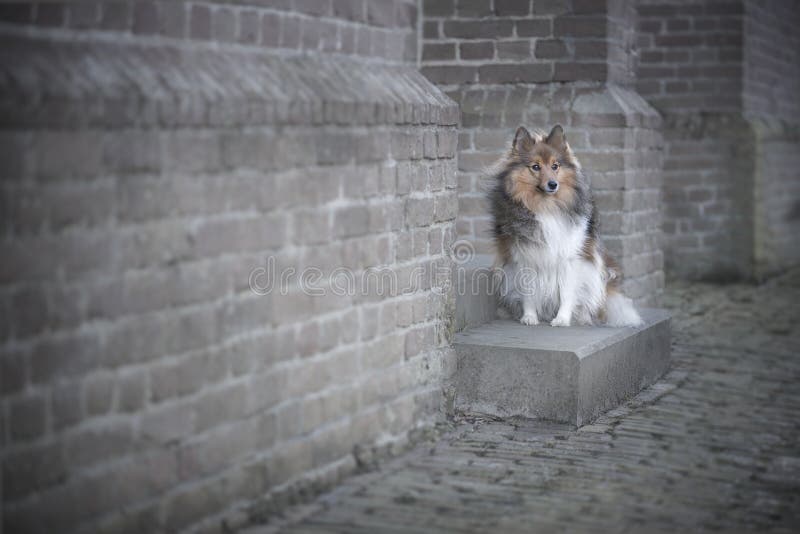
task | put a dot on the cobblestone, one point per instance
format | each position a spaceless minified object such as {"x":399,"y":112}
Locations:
{"x":712,"y":446}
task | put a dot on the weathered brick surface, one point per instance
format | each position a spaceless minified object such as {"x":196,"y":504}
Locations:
{"x":147,"y":186}
{"x":505,"y":42}
{"x":689,"y":68}
{"x":703,"y":65}
{"x":771,"y":85}
{"x":776,"y":188}
{"x":385,"y":29}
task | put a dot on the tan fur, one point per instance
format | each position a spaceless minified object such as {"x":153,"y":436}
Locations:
{"x":524,"y":184}
{"x":589,"y":249}
{"x":613,"y":273}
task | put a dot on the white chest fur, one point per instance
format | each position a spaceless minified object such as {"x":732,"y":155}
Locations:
{"x":539,"y":265}
{"x":561,"y":240}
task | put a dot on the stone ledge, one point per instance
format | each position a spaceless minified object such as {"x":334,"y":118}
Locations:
{"x":569,"y":375}
{"x":71,"y":84}
{"x":476,"y":302}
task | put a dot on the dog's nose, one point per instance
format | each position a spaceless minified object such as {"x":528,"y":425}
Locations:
{"x":552,"y":185}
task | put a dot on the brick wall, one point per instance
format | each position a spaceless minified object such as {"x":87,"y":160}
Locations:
{"x":373,"y":28}
{"x":771,"y":104}
{"x":690,"y":55}
{"x":690,"y":69}
{"x":538,"y":63}
{"x":771,"y":72}
{"x":702,"y":65}
{"x":145,"y":385}
{"x":513,"y":41}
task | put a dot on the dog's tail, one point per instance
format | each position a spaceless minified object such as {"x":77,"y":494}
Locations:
{"x":620,"y":311}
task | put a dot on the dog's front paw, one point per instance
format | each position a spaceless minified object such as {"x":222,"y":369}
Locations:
{"x":560,"y":321}
{"x":529,"y":319}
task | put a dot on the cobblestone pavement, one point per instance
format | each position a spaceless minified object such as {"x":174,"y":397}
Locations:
{"x":712,"y":446}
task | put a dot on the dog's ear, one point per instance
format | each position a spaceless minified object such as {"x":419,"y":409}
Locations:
{"x":557,"y":138}
{"x":523,"y":142}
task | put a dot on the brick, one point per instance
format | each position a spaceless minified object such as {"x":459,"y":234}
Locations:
{"x":446,"y":208}
{"x":172,"y":19}
{"x":14,"y":373}
{"x":26,"y":418}
{"x":438,"y":51}
{"x":350,"y":222}
{"x":270,"y":29}
{"x":132,"y":151}
{"x":312,"y":7}
{"x":504,"y":8}
{"x":679,"y":40}
{"x":69,"y":154}
{"x":98,"y":393}
{"x":192,"y":151}
{"x":115,"y":15}
{"x":168,"y":423}
{"x":550,"y":49}
{"x":583,"y":26}
{"x":18,"y":13}
{"x":429,"y":144}
{"x":449,"y":75}
{"x":132,"y":392}
{"x":145,"y":18}
{"x":534,"y":72}
{"x":83,"y":14}
{"x":447,"y":141}
{"x":419,"y":211}
{"x":587,"y":7}
{"x":431,"y":29}
{"x":350,"y":10}
{"x":200,"y":22}
{"x":550,"y":7}
{"x":220,"y":405}
{"x":476,"y":50}
{"x":438,"y":8}
{"x":580,"y":71}
{"x":223,"y":25}
{"x":335,"y":149}
{"x":534,"y":28}
{"x":32,"y":468}
{"x":97,"y":444}
{"x":380,"y":13}
{"x":182,"y":508}
{"x":348,"y":40}
{"x":588,"y":50}
{"x":474,"y":8}
{"x":249,"y":26}
{"x":50,"y":15}
{"x":513,"y":49}
{"x":478,"y":29}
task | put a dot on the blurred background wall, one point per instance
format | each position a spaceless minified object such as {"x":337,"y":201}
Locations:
{"x":163,"y":162}
{"x":725,"y":76}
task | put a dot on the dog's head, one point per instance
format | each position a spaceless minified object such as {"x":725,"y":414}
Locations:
{"x":542,"y":171}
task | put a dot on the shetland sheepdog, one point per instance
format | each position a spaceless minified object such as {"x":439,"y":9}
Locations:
{"x":554,"y":266}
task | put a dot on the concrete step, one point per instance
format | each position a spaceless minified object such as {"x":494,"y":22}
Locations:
{"x":569,"y":375}
{"x":476,"y":302}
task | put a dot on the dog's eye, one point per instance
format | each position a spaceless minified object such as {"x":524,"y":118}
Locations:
{"x":554,"y":166}
{"x":535,"y":167}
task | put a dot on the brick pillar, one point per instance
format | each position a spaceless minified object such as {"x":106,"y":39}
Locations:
{"x":540,"y":62}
